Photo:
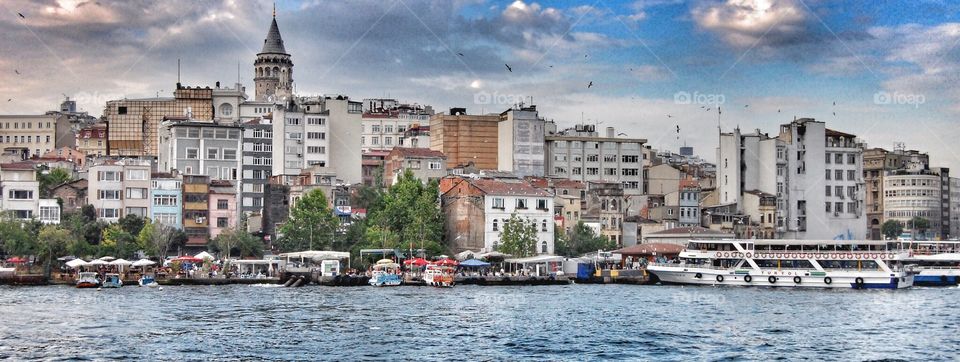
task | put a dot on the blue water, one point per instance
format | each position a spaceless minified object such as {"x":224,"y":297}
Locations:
{"x":575,"y":322}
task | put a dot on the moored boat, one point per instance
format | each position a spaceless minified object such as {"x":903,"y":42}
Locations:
{"x":147,"y":281}
{"x":858,"y":264}
{"x":935,"y":263}
{"x":112,"y":281}
{"x":385,"y":273}
{"x":87,"y":280}
{"x":439,"y":276}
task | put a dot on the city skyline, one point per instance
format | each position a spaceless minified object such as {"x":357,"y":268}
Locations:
{"x":653,"y":65}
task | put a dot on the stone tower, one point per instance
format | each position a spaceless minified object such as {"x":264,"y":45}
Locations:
{"x":273,"y":69}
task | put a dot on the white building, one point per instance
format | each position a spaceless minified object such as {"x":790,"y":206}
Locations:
{"x":386,"y":121}
{"x":580,"y":154}
{"x":120,"y":187}
{"x":318,"y":131}
{"x":21,"y":194}
{"x":816,"y":174}
{"x":520,"y":134}
{"x":914,"y":194}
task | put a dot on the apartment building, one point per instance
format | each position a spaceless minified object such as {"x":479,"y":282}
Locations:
{"x":120,"y":187}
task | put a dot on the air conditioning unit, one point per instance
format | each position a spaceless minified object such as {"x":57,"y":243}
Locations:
{"x":841,"y":196}
{"x":199,"y":220}
{"x":299,"y":155}
{"x":836,"y":213}
{"x":299,"y":142}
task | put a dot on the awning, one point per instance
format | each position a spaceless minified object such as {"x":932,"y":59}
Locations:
{"x":143,"y":262}
{"x":317,"y":255}
{"x":204,"y":255}
{"x":535,"y":259}
{"x":474,"y":263}
{"x":121,"y":262}
{"x":76,"y":263}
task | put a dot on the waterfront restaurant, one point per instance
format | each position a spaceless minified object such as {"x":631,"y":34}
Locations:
{"x":539,"y":265}
{"x":648,"y":253}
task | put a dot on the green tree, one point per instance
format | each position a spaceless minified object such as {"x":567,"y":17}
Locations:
{"x":17,"y":236}
{"x":891,"y":229}
{"x":237,"y":238}
{"x":52,"y":241}
{"x":408,"y":209}
{"x":582,"y":239}
{"x":131,"y":223}
{"x":118,"y":242}
{"x":919,"y":225}
{"x":52,"y":178}
{"x":311,"y":224}
{"x":561,"y":244}
{"x":518,"y":237}
{"x":157,"y":239}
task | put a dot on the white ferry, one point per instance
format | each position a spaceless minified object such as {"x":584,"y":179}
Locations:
{"x":935,"y":263}
{"x":788,"y":263}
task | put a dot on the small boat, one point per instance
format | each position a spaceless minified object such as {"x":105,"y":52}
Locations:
{"x":88,"y":280}
{"x":112,"y":281}
{"x":440,"y":276}
{"x":148,"y":281}
{"x":385,"y":273}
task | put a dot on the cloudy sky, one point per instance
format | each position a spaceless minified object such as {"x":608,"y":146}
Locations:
{"x":884,"y":70}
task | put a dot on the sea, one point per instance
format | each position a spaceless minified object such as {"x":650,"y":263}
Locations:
{"x":478,"y":323}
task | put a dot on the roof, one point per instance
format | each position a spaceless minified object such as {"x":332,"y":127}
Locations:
{"x":495,"y":187}
{"x":417,"y":152}
{"x":833,"y":133}
{"x":18,"y":166}
{"x":75,"y":184}
{"x":650,"y":249}
{"x":569,"y":184}
{"x":273,"y":43}
{"x":694,"y":230}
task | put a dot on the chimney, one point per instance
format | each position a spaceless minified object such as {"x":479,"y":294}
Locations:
{"x":610,"y":132}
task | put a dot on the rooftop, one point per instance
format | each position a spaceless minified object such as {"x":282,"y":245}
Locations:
{"x":407,"y":152}
{"x":496,"y":187}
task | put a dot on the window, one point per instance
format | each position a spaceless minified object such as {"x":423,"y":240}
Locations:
{"x":592,"y":171}
{"x":222,"y":204}
{"x":851,"y":158}
{"x":828,"y":174}
{"x":316,"y":149}
{"x":851,"y":191}
{"x":121,"y":110}
{"x":293,"y":121}
{"x":109,"y":213}
{"x":851,"y":175}
{"x":838,"y":175}
{"x":137,"y":175}
{"x":316,"y":121}
{"x":838,"y":207}
{"x":851,"y":207}
{"x":388,"y":141}
{"x":139,"y":211}
{"x":213,"y":153}
{"x":838,"y":191}
{"x":49,"y":213}
{"x":435,"y":166}
{"x":374,"y":140}
{"x":316,"y":136}
{"x":375,"y":128}
{"x":827,"y":206}
{"x":541,"y":204}
{"x":169,"y":219}
{"x":496,"y":226}
{"x":192,"y":153}
{"x":828,"y":189}
{"x":521,"y":203}
{"x":108,"y":176}
{"x":629,"y":172}
{"x":229,"y":154}
{"x":593,"y":158}
{"x":258,"y":133}
{"x":838,"y":159}
{"x":577,"y":171}
{"x":827,"y":158}
{"x":109,"y":194}
{"x":20,"y":195}
{"x":543,"y":226}
{"x":221,"y":222}
{"x":23,"y":214}
{"x":136,"y":193}
{"x":629,"y":158}
{"x":165,"y":200}
{"x":498,"y":203}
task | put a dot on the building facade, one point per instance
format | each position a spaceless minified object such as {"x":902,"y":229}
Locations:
{"x":132,"y":124}
{"x":21,"y":194}
{"x":166,"y":195}
{"x":222,"y":207}
{"x":466,"y":138}
{"x":257,"y":164}
{"x":426,"y":165}
{"x":200,"y":148}
{"x":196,"y":210}
{"x":520,"y":136}
{"x":30,"y":136}
{"x":581,"y":154}
{"x":907,"y":195}
{"x":385,"y":123}
{"x":119,"y":188}
{"x":877,"y":162}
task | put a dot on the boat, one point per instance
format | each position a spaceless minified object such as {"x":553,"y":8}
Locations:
{"x":935,"y":263}
{"x":385,"y":273}
{"x":857,"y":264}
{"x":439,"y":275}
{"x":147,"y":281}
{"x":87,"y":280}
{"x":112,"y":281}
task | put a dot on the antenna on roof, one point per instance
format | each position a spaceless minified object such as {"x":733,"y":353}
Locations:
{"x":178,"y":70}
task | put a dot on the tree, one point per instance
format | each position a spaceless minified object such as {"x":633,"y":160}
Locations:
{"x":117,"y":241}
{"x":408,"y":211}
{"x":132,"y":223}
{"x":51,"y":242}
{"x":52,"y":178}
{"x":920,"y":225}
{"x":237,"y":238}
{"x":518,"y":237}
{"x":891,"y":229}
{"x":16,"y":237}
{"x":157,"y":239}
{"x":311,"y":224}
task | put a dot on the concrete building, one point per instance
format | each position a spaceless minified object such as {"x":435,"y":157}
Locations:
{"x":257,"y":164}
{"x":32,"y":136}
{"x":21,"y":194}
{"x":73,"y":194}
{"x":426,"y":164}
{"x":222,"y":207}
{"x":917,"y":194}
{"x":120,"y":187}
{"x":954,"y":207}
{"x":793,"y":167}
{"x":581,"y":154}
{"x":318,"y":131}
{"x":132,"y":124}
{"x":520,"y":141}
{"x":606,"y":203}
{"x":385,"y":123}
{"x":92,"y":140}
{"x":466,"y":138}
{"x":476,"y":210}
{"x":372,"y":167}
{"x":196,"y":211}
{"x":417,"y":136}
{"x":877,"y":162}
{"x":166,"y":206}
{"x":193,"y":147}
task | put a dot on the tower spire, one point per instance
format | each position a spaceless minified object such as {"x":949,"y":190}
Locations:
{"x":274,"y":9}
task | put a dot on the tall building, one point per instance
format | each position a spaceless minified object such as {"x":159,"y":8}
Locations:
{"x":907,"y":195}
{"x":222,"y":207}
{"x":119,"y":188}
{"x":318,"y":131}
{"x":132,"y":124}
{"x":25,"y":136}
{"x":520,"y":137}
{"x":877,"y":162}
{"x":196,"y":211}
{"x":273,"y":69}
{"x":581,"y":154}
{"x":954,"y":207}
{"x":257,"y":164}
{"x":193,"y":147}
{"x":466,"y":138}
{"x":167,"y":200}
{"x":93,"y":140}
{"x":814,"y":172}
{"x":385,"y":123}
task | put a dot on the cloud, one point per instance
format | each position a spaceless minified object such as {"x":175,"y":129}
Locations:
{"x":766,"y":23}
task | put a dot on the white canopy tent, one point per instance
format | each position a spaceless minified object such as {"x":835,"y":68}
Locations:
{"x":251,"y":265}
{"x":76,"y":263}
{"x":543,"y":264}
{"x":98,"y":262}
{"x":464,"y":255}
{"x":203,"y":255}
{"x":143,"y":262}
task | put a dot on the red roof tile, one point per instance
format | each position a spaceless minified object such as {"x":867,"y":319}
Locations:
{"x":495,"y":187}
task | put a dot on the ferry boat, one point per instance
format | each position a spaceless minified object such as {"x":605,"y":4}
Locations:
{"x":87,"y":280}
{"x":112,"y":281}
{"x":936,"y":263}
{"x":385,"y":273}
{"x":439,"y":276}
{"x":858,"y":264}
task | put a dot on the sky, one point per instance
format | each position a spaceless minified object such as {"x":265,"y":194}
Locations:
{"x":883,"y":70}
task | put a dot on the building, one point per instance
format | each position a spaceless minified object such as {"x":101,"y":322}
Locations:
{"x":683,"y":235}
{"x":273,"y":69}
{"x":257,"y":164}
{"x":196,"y":196}
{"x":425,"y":164}
{"x":132,"y":124}
{"x":418,"y":135}
{"x":793,"y":166}
{"x":385,"y":123}
{"x":92,"y":140}
{"x":120,"y":187}
{"x":193,"y":147}
{"x":222,"y":207}
{"x":372,"y":167}
{"x":166,"y":206}
{"x":581,"y":154}
{"x":466,"y":138}
{"x":907,"y":195}
{"x":72,"y":155}
{"x":954,"y":207}
{"x":689,"y":203}
{"x":606,"y":203}
{"x":476,"y":210}
{"x":520,"y":141}
{"x":72,"y":194}
{"x":877,"y":162}
{"x":32,"y":136}
{"x":21,"y":194}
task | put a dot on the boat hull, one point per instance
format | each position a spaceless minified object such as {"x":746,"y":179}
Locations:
{"x":786,"y":279}
{"x":937,"y":278}
{"x":84,"y":285}
{"x":389,"y":280}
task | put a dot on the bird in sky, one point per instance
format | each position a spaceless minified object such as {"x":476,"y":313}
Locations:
{"x":621,"y":134}
{"x":590,"y":84}
{"x":460,"y":54}
{"x":746,"y":105}
{"x":551,"y":66}
{"x":708,"y":109}
{"x":9,"y":99}
{"x":834,"y":113}
{"x":702,"y":107}
{"x":16,"y":71}
{"x":678,"y":128}
{"x":778,"y":111}
{"x":21,"y":15}
{"x":669,"y":116}
{"x":508,"y":67}
{"x":834,"y":102}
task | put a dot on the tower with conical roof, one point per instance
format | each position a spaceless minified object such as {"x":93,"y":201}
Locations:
{"x":273,"y":69}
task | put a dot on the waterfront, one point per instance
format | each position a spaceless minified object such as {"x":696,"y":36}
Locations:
{"x":571,"y":322}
